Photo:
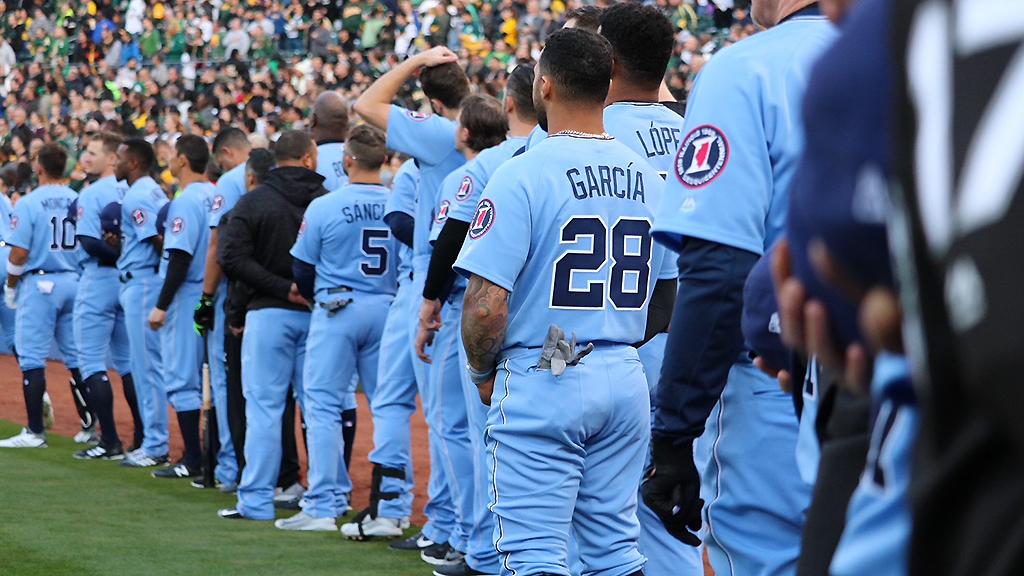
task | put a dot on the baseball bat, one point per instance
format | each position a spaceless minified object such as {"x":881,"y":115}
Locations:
{"x":209,"y":442}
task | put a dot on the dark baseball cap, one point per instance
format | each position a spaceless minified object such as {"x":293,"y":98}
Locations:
{"x":110,"y":218}
{"x":762,"y":327}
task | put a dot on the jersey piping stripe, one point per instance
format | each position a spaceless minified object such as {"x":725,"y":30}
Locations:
{"x":494,"y":473}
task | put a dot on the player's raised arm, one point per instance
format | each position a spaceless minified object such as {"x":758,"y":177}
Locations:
{"x":374,"y":105}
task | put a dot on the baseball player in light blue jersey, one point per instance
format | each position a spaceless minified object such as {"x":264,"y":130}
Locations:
{"x":460,"y":195}
{"x":642,"y":39}
{"x":99,"y":319}
{"x":6,"y":314}
{"x":140,"y":283}
{"x":41,"y":283}
{"x":186,"y":236}
{"x":343,"y":261}
{"x":394,"y":399}
{"x":430,"y":139}
{"x":329,"y":127}
{"x":231,"y":149}
{"x":483,"y":126}
{"x":559,"y":252}
{"x":877,"y":533}
{"x":725,"y":203}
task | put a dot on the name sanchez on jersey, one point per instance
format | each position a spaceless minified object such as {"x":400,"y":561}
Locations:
{"x":364,"y":211}
{"x":611,"y":181}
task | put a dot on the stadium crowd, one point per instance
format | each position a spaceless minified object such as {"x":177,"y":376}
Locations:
{"x":165,"y":68}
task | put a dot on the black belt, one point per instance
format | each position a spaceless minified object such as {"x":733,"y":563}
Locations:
{"x":40,"y":272}
{"x":127,"y":275}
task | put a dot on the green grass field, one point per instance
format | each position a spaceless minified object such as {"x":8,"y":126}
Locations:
{"x":62,"y":516}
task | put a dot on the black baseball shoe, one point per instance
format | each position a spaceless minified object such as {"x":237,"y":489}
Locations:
{"x":460,"y":569}
{"x":179,"y":470}
{"x":413,"y":543}
{"x":441,"y":555}
{"x":101,"y":452}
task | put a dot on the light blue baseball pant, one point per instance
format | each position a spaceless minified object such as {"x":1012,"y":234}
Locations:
{"x":392,"y":405}
{"x":99,"y":323}
{"x":227,"y":463}
{"x":183,"y":351}
{"x":480,"y":551}
{"x":273,"y":352}
{"x":339,"y":345}
{"x":45,"y":310}
{"x":755,"y":499}
{"x":138,"y":297}
{"x":440,"y":508}
{"x":7,"y":316}
{"x":878,"y":521}
{"x":452,"y":423}
{"x":565,"y":456}
{"x":666,"y":555}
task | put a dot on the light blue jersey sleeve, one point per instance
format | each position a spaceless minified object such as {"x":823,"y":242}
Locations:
{"x":23,"y":225}
{"x":425,"y":137}
{"x":455,"y":191}
{"x":91,"y":202}
{"x":143,"y":215}
{"x":185,"y":223}
{"x":230,"y":188}
{"x":403,"y":189}
{"x":497,"y":244}
{"x":307,"y":244}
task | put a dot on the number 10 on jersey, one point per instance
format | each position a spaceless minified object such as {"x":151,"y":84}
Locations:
{"x":624,"y":284}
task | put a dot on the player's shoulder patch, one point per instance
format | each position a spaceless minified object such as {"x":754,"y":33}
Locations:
{"x":303,"y":226}
{"x":417,"y":115}
{"x":177,"y":225}
{"x":217,"y":203}
{"x":442,"y":211}
{"x":484,"y":219}
{"x":138,"y":217}
{"x":702,"y":157}
{"x":14,"y":222}
{"x":465,"y":188}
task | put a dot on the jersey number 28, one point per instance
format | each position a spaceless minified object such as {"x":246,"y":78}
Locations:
{"x":628,"y":242}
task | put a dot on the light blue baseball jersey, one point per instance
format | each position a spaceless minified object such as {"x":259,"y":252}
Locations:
{"x":650,"y":129}
{"x":230,"y":188}
{"x":565,"y":228}
{"x":464,"y":197}
{"x":430,"y":139}
{"x":730,"y":179}
{"x":330,"y":163}
{"x":6,"y":213}
{"x":41,"y":225}
{"x":343,"y":234}
{"x":537,"y":135}
{"x":187,"y":226}
{"x":141,"y":204}
{"x":91,"y":202}
{"x":403,"y":199}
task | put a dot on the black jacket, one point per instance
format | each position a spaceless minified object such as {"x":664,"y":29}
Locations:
{"x":255,"y":246}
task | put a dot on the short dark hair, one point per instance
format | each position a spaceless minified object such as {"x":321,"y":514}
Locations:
{"x":445,"y":82}
{"x":580,"y":64}
{"x":642,"y":39}
{"x":519,"y":87}
{"x":485,"y":120}
{"x":260,"y":163}
{"x":293,"y":145}
{"x":195,"y":150}
{"x":53,"y":159}
{"x":368,"y":146}
{"x":230,"y":137}
{"x":110,"y":140}
{"x":587,"y":17}
{"x":142,"y":151}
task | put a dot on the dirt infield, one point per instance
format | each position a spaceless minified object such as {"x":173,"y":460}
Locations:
{"x":12,"y":407}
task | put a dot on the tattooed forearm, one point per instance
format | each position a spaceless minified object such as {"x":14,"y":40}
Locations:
{"x":484,"y":322}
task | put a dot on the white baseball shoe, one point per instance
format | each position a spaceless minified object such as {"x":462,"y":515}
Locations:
{"x":366,"y":527}
{"x":87,"y":436}
{"x":290,"y":498}
{"x":306,"y":523}
{"x":25,"y":439}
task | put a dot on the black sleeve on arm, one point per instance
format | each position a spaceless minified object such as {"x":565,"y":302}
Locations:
{"x":104,"y":253}
{"x":236,"y":245}
{"x":402,"y":226}
{"x":440,"y":275}
{"x":177,"y":269}
{"x":705,"y":339}
{"x":305,"y":278}
{"x":659,"y":312}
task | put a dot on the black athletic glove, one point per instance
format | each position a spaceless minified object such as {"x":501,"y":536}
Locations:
{"x":672,"y":490}
{"x":203,"y":315}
